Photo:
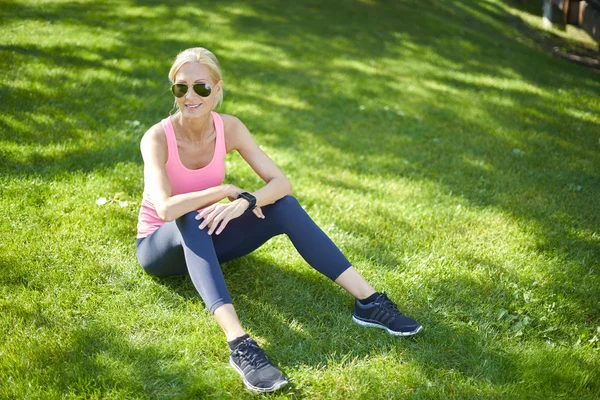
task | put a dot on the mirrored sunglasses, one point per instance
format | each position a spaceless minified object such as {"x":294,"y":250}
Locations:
{"x":180,"y":89}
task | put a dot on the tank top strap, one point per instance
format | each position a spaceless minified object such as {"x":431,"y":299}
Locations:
{"x":171,"y":139}
{"x":220,"y":148}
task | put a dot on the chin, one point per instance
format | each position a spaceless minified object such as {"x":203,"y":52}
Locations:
{"x":194,"y":114}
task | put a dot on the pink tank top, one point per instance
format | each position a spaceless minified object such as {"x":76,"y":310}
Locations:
{"x":182,"y":179}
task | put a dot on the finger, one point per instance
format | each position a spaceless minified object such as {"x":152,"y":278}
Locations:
{"x":201,"y":213}
{"x":208,"y":219}
{"x":223,"y":224}
{"x":215,"y":221}
{"x":204,"y":222}
{"x":258,"y":212}
{"x":207,"y":210}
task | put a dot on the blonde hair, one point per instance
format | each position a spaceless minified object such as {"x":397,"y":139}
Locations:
{"x":201,"y":56}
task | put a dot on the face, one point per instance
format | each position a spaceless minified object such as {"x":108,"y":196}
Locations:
{"x":193,"y":105}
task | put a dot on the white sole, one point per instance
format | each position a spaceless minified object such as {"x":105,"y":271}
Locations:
{"x":391,"y":332}
{"x":273,"y":388}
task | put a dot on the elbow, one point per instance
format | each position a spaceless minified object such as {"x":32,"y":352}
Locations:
{"x":287,"y":188}
{"x":163,"y":213}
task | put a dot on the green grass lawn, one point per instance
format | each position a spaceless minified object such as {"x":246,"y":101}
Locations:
{"x":453,"y":160}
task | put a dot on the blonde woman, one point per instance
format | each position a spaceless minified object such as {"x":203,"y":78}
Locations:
{"x":183,"y":227}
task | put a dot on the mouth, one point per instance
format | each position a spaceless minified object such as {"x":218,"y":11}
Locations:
{"x":192,"y":106}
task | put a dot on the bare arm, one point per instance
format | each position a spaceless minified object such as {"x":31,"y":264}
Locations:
{"x":157,"y":185}
{"x":240,"y":139}
{"x":237,"y":137}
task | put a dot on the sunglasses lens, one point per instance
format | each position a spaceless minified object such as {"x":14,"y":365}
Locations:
{"x":203,"y":89}
{"x":179,"y":89}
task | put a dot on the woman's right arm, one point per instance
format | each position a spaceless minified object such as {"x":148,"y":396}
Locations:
{"x":157,"y":185}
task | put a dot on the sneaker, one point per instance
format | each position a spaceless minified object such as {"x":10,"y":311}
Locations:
{"x":383,"y":313}
{"x":259,"y":374}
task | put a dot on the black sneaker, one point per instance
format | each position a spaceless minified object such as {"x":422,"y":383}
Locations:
{"x":259,"y":374}
{"x":383,"y":313}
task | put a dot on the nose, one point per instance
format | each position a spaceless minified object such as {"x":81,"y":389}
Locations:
{"x":190,"y":93}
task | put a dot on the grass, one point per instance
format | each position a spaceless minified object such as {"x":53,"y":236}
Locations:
{"x":451,"y":158}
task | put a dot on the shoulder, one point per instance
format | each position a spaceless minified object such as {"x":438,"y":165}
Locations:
{"x":154,"y":141}
{"x":236,"y":133}
{"x":232,"y":123}
{"x":154,"y":135}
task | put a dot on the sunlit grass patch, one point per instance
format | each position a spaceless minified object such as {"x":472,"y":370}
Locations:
{"x":451,"y":159}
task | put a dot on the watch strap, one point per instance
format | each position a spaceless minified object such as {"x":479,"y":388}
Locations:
{"x":250,"y":198}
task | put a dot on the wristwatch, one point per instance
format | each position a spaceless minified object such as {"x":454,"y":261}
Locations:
{"x":251,"y":199}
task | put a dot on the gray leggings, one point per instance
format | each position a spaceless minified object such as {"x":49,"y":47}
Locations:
{"x":179,"y":247}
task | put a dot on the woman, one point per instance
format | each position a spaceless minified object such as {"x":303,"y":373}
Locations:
{"x":184,"y":171}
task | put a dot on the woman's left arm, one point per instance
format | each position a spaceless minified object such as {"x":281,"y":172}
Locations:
{"x":237,"y":137}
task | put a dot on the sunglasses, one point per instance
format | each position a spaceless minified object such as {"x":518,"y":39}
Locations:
{"x":180,"y":89}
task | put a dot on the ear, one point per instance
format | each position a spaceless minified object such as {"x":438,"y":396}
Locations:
{"x":219,"y":86}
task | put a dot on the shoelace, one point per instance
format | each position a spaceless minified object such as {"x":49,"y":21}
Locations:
{"x":251,"y":352}
{"x":387,"y":304}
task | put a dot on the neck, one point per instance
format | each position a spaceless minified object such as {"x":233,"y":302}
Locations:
{"x":194,"y":129}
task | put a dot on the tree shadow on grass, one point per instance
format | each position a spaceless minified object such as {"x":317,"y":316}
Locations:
{"x":361,"y":31}
{"x":474,"y":44}
{"x":99,"y":358}
{"x":303,"y":320}
{"x":49,"y":166}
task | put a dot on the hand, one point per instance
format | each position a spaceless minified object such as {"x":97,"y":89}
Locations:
{"x":233,"y":195}
{"x":218,"y":215}
{"x":234,"y":192}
